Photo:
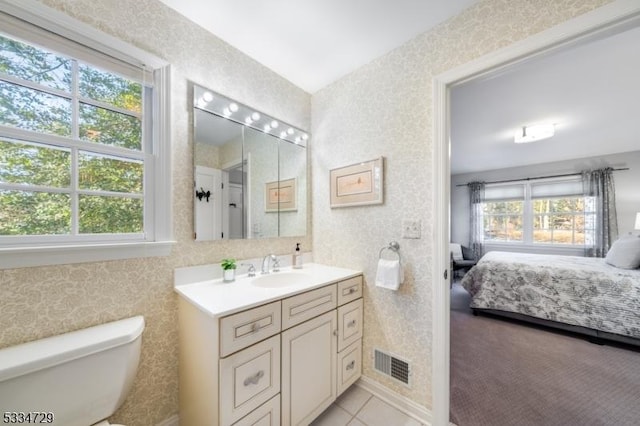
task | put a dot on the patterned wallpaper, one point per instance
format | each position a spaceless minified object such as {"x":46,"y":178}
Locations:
{"x":382,"y":109}
{"x":44,"y":301}
{"x":385,"y":109}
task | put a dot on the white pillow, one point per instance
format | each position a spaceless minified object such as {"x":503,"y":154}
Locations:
{"x":456,"y":251}
{"x":624,"y":253}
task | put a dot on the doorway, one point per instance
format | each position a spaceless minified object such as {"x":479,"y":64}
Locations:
{"x":591,"y":25}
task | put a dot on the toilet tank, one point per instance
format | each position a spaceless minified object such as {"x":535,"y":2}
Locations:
{"x":80,"y":377}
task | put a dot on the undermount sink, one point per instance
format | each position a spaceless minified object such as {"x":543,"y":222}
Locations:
{"x":281,"y":279}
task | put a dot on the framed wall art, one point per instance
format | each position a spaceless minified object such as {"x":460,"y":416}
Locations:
{"x":281,"y":196}
{"x":357,"y":184}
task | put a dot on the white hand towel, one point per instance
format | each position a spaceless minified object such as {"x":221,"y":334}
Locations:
{"x":389,"y":274}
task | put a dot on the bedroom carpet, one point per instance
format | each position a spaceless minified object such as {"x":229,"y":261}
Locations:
{"x":507,"y":374}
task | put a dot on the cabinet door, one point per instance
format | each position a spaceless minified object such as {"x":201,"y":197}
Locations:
{"x":309,"y":369}
{"x":349,"y":323}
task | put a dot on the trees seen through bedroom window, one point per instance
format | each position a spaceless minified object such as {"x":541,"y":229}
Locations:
{"x":549,"y":212}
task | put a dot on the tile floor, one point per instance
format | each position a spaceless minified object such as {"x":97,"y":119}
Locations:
{"x":357,"y":407}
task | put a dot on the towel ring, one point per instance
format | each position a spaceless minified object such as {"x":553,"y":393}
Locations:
{"x":394,"y":247}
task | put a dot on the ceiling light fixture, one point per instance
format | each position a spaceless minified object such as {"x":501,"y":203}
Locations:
{"x":534,"y":133}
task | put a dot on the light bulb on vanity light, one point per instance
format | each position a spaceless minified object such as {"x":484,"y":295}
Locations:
{"x":255,"y":116}
{"x":233,"y":106}
{"x":290,"y":131}
{"x":305,"y":136}
{"x":227,"y":112}
{"x":266,"y":127}
{"x":274,"y":124}
{"x":207,"y":96}
{"x":248,"y":120}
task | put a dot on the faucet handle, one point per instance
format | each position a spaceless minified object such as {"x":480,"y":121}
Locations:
{"x":276,"y":264}
{"x":251,"y":270}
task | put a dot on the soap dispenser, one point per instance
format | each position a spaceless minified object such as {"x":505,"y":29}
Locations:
{"x":297,"y":258}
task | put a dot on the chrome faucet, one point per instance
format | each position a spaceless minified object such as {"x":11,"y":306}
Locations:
{"x":265,"y":263}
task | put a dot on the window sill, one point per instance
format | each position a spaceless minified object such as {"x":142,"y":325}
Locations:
{"x":24,"y":257}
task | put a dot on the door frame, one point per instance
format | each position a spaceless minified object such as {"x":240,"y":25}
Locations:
{"x":584,"y":27}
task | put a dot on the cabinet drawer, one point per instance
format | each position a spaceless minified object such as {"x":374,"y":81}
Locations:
{"x":349,"y":323}
{"x":349,"y":366}
{"x":248,"y":379}
{"x":349,"y":290}
{"x":307,"y":305}
{"x":248,"y":327}
{"x":268,"y":414}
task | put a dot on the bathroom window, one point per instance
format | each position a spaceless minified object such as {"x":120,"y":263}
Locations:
{"x":81,"y":148}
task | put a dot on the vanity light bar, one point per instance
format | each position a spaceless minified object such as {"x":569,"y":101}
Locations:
{"x":230,"y":109}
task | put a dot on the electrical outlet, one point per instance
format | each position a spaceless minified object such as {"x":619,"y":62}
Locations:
{"x":411,"y":229}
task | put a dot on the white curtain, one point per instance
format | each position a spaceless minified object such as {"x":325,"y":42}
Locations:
{"x":476,"y":226}
{"x":601,"y":227}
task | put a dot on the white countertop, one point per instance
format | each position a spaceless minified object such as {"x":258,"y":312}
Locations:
{"x":217,"y":298}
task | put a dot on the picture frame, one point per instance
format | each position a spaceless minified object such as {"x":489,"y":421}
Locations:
{"x":281,"y":196}
{"x":357,"y":184}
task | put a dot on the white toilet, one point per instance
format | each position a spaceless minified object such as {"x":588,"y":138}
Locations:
{"x":81,"y":377}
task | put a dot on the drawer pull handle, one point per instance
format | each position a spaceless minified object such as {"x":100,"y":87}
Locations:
{"x":352,"y":290}
{"x":253,"y":380}
{"x":351,"y":365}
{"x":335,"y":332}
{"x":351,"y":323}
{"x":255,"y":327}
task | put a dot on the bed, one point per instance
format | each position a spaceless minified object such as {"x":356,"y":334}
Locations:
{"x":578,"y":294}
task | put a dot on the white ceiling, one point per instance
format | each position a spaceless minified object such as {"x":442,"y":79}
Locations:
{"x":313,"y":43}
{"x":590,"y":91}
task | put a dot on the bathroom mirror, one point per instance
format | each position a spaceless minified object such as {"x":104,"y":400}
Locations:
{"x":250,"y":172}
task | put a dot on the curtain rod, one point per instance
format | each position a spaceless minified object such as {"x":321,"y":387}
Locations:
{"x":533,"y":178}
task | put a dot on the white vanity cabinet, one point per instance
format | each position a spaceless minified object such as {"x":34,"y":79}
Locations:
{"x":321,"y":357}
{"x":279,"y":363}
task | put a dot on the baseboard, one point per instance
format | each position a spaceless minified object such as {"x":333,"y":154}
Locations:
{"x":402,"y":403}
{"x":171,"y":421}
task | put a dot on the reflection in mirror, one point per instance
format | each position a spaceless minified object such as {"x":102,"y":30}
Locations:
{"x":218,"y":207}
{"x":250,"y":172}
{"x":292,"y":168}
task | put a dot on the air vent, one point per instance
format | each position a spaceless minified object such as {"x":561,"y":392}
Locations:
{"x":391,"y":366}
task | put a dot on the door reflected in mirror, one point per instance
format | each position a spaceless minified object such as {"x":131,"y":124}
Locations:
{"x":249,"y":182}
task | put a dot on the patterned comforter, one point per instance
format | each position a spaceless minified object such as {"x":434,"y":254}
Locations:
{"x":574,"y":290}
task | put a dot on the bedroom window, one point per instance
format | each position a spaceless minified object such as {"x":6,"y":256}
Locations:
{"x":82,"y":147}
{"x":545,"y":212}
{"x":559,"y":221}
{"x":503,"y":220}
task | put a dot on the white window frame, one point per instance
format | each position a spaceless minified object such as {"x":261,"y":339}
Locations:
{"x":158,"y":237}
{"x":527,"y":222}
